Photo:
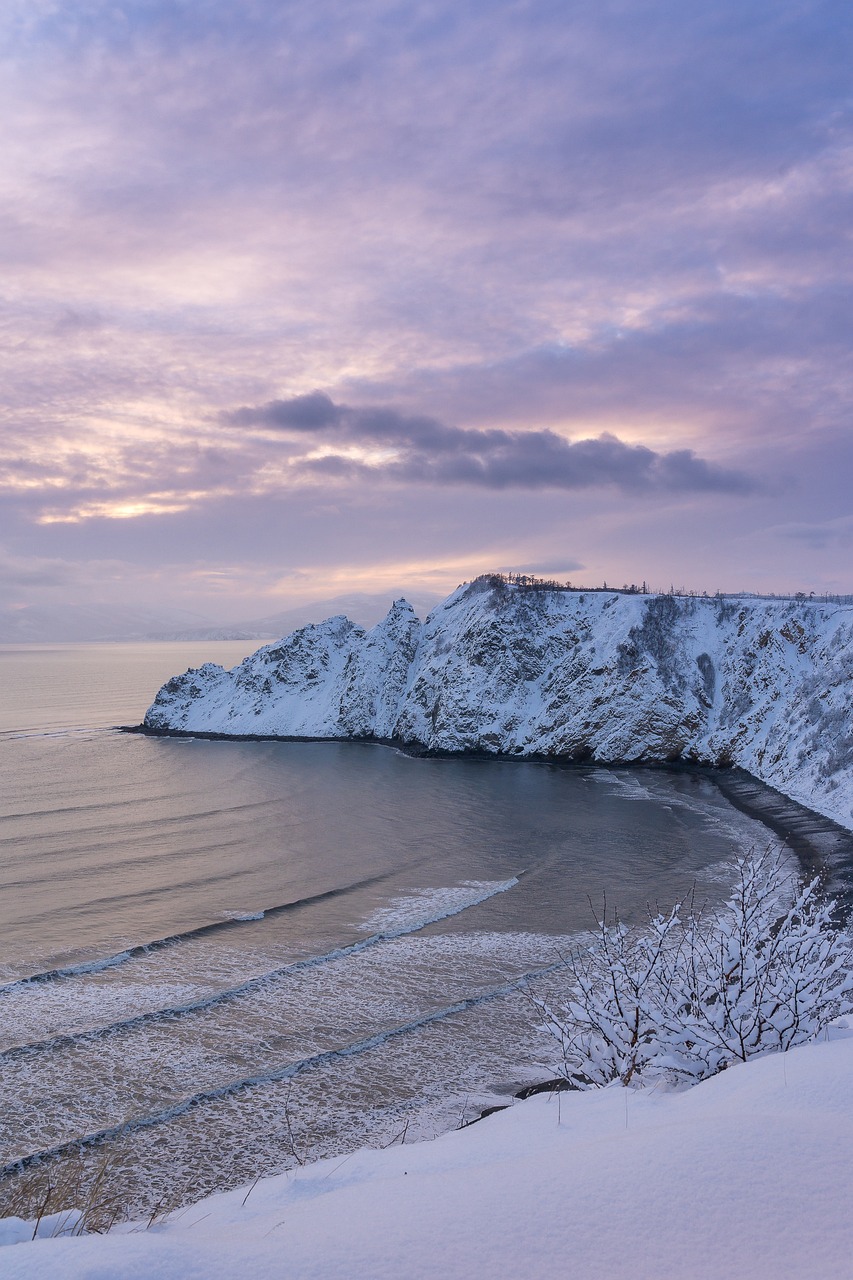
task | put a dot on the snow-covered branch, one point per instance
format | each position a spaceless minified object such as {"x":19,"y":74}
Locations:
{"x":691,"y":992}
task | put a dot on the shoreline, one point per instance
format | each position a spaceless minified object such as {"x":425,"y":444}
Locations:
{"x":805,"y":833}
{"x":533,"y":1187}
{"x":821,"y":845}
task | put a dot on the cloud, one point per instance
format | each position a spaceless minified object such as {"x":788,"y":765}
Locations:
{"x":21,"y":572}
{"x":611,"y":241}
{"x":73,"y":321}
{"x":820,"y":535}
{"x":301,"y":413}
{"x":747,"y":368}
{"x":422,"y":450}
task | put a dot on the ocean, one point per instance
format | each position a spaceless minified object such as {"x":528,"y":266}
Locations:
{"x":218,"y":960}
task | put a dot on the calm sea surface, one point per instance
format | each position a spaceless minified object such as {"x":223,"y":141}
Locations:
{"x":218,"y":959}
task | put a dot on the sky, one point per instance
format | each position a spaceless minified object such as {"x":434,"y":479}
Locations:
{"x":299,"y":299}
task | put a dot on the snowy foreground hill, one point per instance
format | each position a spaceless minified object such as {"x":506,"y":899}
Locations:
{"x":767,"y":685}
{"x":746,"y":1175}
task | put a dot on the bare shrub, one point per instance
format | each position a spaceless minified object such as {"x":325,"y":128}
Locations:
{"x":690,"y":993}
{"x":59,"y":1200}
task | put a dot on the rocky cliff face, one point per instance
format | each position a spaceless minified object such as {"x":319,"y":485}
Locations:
{"x":765,"y":685}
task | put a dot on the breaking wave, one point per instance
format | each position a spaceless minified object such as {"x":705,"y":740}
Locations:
{"x":232,"y":920}
{"x":440,"y":904}
{"x":285,"y":1072}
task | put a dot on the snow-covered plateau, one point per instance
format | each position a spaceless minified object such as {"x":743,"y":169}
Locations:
{"x":604,"y":676}
{"x":747,"y":1175}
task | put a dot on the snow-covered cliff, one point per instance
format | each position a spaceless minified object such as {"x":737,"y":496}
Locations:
{"x":609,"y":677}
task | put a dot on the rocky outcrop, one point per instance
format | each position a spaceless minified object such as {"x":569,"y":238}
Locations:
{"x":600,"y":676}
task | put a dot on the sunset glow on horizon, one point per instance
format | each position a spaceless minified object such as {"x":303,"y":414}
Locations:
{"x":303,"y":299}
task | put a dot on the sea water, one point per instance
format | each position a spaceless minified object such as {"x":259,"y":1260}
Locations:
{"x":220,"y":959}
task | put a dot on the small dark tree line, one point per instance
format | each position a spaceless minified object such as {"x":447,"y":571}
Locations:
{"x":530,"y":582}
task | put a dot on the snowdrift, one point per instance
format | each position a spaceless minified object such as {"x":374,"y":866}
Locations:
{"x":746,"y":1175}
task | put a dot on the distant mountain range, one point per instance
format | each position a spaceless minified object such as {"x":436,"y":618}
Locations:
{"x":60,"y":624}
{"x":37,"y":624}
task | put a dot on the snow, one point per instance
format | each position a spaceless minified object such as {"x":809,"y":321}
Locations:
{"x":745,"y":1175}
{"x":615,"y":678}
{"x":51,"y":1227}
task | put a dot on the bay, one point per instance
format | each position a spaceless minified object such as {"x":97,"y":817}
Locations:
{"x":220,"y":958}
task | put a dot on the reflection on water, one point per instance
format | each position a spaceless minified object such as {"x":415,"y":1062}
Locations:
{"x":339,"y":929}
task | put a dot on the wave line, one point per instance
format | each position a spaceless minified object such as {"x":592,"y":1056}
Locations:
{"x":67,"y":1039}
{"x":275,"y":1076}
{"x":144,"y":948}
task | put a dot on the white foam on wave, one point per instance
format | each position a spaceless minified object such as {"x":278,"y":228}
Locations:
{"x":62,"y":1013}
{"x":69,"y":971}
{"x":407,"y":1087}
{"x":626,"y":785}
{"x":96,"y":966}
{"x":747,"y":833}
{"x":429,"y":906}
{"x":403,"y":916}
{"x":206,"y":1082}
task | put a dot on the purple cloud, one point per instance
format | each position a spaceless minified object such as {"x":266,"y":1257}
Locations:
{"x":430,"y":452}
{"x":542,"y":232}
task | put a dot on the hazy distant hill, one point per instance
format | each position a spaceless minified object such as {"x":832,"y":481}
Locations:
{"x":361,"y":608}
{"x":39,"y":624}
{"x":34,"y":624}
{"x":209,"y":632}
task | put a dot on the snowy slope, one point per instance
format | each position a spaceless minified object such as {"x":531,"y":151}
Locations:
{"x":745,"y":1176}
{"x":604,"y":676}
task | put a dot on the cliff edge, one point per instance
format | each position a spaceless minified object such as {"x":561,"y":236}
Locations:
{"x":600,"y":676}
